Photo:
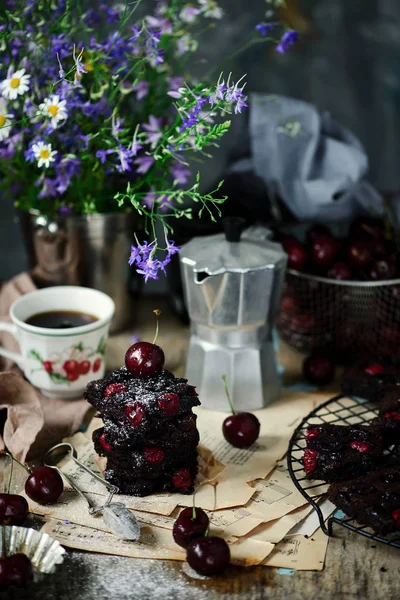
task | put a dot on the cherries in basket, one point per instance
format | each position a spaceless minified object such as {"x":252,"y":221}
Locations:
{"x":368,"y":253}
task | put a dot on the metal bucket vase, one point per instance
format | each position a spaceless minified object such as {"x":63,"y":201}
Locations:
{"x":87,"y":250}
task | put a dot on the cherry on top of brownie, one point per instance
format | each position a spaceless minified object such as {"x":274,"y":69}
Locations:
{"x":123,"y":397}
{"x":373,"y":499}
{"x":336,"y":452}
{"x":370,"y":376}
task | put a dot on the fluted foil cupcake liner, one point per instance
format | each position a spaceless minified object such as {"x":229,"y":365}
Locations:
{"x":44,"y":552}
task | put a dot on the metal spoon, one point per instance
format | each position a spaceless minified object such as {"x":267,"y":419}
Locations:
{"x":116,"y":515}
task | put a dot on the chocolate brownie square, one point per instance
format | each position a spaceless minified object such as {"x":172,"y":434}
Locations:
{"x":370,"y":377}
{"x":372,"y":500}
{"x":389,"y":401}
{"x":181,"y":430}
{"x":179,"y":479}
{"x":336,"y":452}
{"x":143,"y":402}
{"x":149,"y":435}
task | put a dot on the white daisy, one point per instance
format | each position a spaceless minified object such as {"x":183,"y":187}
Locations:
{"x":44,"y":154}
{"x":15,"y":85}
{"x":5,"y":120}
{"x":54,"y":108}
{"x":211,"y":9}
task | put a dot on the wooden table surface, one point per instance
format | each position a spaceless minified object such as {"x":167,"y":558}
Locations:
{"x":355,"y":566}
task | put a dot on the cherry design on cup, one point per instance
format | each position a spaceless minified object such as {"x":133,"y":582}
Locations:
{"x":72,"y":363}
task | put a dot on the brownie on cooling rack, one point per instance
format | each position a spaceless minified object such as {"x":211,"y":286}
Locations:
{"x":372,"y":500}
{"x":388,"y":421}
{"x":336,"y":452}
{"x":370,"y":377}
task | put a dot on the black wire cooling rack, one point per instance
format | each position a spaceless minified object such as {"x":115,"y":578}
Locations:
{"x":341,"y":410}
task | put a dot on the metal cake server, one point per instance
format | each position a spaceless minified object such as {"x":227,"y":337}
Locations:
{"x":116,"y":515}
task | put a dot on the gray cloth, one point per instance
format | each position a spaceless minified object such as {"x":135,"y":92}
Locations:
{"x":317,"y":172}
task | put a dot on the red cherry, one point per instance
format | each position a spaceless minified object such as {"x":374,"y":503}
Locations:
{"x":153,"y":455}
{"x":383,"y":269}
{"x":359,"y":255}
{"x":144,"y":359}
{"x":392,"y":415}
{"x":374,"y":369}
{"x":13,"y":509}
{"x":312,"y":433}
{"x":296,"y":253}
{"x":316,"y":231}
{"x":44,"y":485}
{"x":289,"y":305}
{"x":15,"y":570}
{"x":323,"y":250}
{"x":361,"y":446}
{"x":106,"y":446}
{"x":241,"y":429}
{"x":191,"y":523}
{"x":96,"y":365}
{"x":310,"y":460}
{"x":340,"y":271}
{"x":135,"y":413}
{"x":208,"y":555}
{"x":182,"y":479}
{"x":318,"y":370}
{"x":396,"y":517}
{"x":71,"y":366}
{"x":114,"y":388}
{"x":72,"y":376}
{"x":84,"y":367}
{"x":48,"y":366}
{"x":169,"y":404}
{"x":304,"y":323}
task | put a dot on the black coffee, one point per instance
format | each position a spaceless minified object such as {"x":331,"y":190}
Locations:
{"x":61,"y":319}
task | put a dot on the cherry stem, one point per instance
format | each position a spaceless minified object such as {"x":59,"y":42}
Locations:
{"x":19,"y":462}
{"x":227,"y":394}
{"x":10,"y":476}
{"x":194,"y":508}
{"x":3,"y":542}
{"x":157,"y":312}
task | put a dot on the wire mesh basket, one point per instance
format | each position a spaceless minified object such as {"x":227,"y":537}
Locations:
{"x":344,"y":318}
{"x":340,"y":410}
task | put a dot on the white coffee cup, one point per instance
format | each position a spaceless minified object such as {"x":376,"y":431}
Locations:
{"x":60,"y":362}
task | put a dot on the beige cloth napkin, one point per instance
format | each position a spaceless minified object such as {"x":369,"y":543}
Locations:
{"x":34,"y":422}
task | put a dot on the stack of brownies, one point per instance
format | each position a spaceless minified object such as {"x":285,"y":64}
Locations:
{"x":363,"y":460}
{"x":149,"y":436}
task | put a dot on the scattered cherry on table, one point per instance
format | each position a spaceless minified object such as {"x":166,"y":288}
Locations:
{"x":191,"y":524}
{"x":208,"y":555}
{"x":240,"y":429}
{"x":44,"y":485}
{"x":15,"y":570}
{"x":318,"y":370}
{"x":13,"y":509}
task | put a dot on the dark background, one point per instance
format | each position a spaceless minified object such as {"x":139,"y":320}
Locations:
{"x":347,"y":63}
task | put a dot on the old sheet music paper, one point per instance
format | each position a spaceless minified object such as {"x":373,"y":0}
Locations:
{"x":252,"y":500}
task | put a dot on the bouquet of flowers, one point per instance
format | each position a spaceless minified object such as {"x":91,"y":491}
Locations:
{"x":98,"y":111}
